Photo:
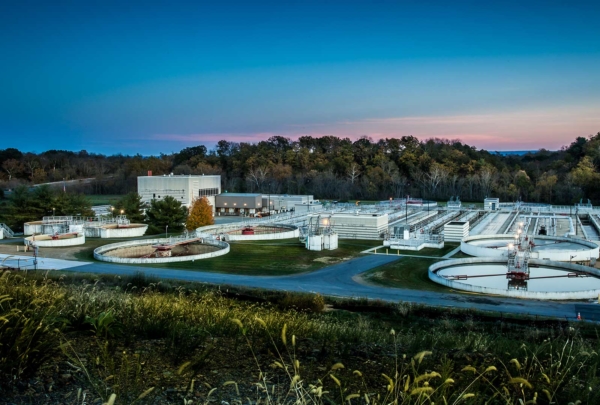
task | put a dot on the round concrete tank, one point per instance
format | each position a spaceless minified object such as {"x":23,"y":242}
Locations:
{"x":545,"y":247}
{"x":237,"y":232}
{"x":546,"y":279}
{"x":164,"y":250}
{"x":61,"y":240}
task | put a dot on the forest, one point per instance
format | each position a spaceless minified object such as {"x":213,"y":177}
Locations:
{"x":334,"y":168}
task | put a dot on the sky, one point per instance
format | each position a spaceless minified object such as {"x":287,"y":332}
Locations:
{"x":156,"y":77}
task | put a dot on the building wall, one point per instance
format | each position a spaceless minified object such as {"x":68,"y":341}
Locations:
{"x":361,"y":226}
{"x":491,"y":204}
{"x":252,"y":201}
{"x":284,"y":201}
{"x":456,"y":232}
{"x":183,"y":188}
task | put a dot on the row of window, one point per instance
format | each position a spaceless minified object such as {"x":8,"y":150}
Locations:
{"x":205,"y":192}
{"x":154,"y":196}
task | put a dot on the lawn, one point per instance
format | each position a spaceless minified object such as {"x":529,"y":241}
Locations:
{"x":267,"y":258}
{"x":408,"y":272}
{"x":104,"y":199}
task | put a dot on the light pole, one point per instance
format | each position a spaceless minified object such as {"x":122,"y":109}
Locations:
{"x":166,"y":231}
{"x":112,"y":211}
{"x":53,"y":211}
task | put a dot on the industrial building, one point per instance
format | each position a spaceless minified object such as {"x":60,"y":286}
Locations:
{"x":456,"y":231}
{"x":356,"y":225}
{"x":285,"y":202}
{"x":184,"y":188}
{"x":238,"y":203}
{"x":491,"y":204}
{"x":254,"y":203}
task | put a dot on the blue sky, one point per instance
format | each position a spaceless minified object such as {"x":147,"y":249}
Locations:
{"x":151,"y":77}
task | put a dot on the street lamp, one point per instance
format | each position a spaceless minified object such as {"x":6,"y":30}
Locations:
{"x":166,"y":231}
{"x":112,"y":211}
{"x":53,"y":211}
{"x":122,"y":211}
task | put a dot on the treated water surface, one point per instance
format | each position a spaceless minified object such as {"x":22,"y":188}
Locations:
{"x":496,"y":278}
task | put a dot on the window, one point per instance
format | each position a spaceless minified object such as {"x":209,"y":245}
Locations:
{"x":205,"y":192}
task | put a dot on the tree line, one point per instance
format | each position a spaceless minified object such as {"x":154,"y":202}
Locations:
{"x":336,"y":168}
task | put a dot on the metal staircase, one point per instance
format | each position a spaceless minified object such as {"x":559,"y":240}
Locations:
{"x":8,"y":233}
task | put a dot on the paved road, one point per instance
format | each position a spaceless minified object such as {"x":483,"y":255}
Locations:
{"x":339,"y":280}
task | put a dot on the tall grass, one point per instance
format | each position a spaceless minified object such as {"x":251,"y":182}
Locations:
{"x":301,"y":354}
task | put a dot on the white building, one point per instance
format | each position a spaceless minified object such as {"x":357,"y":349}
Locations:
{"x":184,"y":188}
{"x":491,"y":204}
{"x":456,"y":231}
{"x":357,"y":225}
{"x":285,"y":202}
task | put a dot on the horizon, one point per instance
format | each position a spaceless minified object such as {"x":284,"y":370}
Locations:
{"x":213,"y":149}
{"x":155,"y":78}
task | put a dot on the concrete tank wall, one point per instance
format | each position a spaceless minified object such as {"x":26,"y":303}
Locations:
{"x":291,"y":232}
{"x":98,"y":252}
{"x":294,"y":233}
{"x":558,"y":255}
{"x":41,"y":241}
{"x":129,"y":232}
{"x":570,"y":295}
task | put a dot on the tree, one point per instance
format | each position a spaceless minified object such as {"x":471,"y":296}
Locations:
{"x":201,"y":214}
{"x":72,"y":204}
{"x":166,"y":212}
{"x":12,"y":167}
{"x":353,"y":172}
{"x":132,"y":206}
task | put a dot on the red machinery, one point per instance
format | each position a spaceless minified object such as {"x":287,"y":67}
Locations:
{"x":248,"y":231}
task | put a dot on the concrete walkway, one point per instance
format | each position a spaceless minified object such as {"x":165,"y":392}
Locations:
{"x":452,"y":253}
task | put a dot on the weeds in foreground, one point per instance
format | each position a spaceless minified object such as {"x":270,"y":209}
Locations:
{"x":416,"y":381}
{"x":343,"y":357}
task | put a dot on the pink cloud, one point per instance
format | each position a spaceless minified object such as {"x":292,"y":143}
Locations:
{"x":531,"y":129}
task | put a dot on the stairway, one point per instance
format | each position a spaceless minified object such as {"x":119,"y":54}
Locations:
{"x":8,"y":233}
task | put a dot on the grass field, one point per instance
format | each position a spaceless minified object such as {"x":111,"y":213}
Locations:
{"x":268,"y":258}
{"x":100,"y":199}
{"x":409,"y":272}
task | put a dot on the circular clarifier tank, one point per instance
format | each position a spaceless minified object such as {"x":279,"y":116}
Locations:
{"x":237,"y":232}
{"x":544,"y":247}
{"x":164,"y":250}
{"x":545,"y":280}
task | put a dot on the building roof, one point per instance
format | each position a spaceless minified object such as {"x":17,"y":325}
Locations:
{"x":239,"y":195}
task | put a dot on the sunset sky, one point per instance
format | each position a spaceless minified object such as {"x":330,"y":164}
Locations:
{"x":151,"y":77}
